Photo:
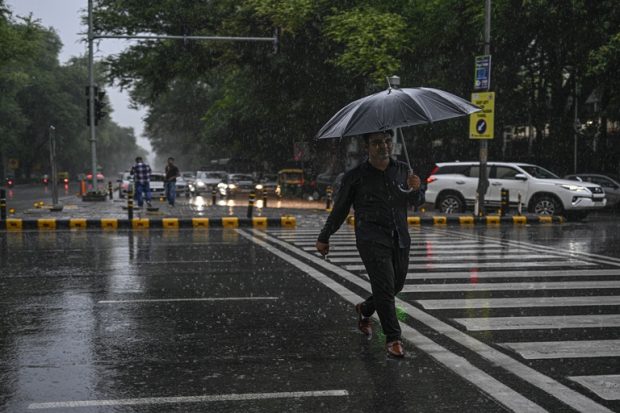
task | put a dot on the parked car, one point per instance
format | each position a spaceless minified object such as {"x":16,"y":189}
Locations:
{"x":452,"y":188}
{"x":269,"y":182}
{"x":236,"y":183}
{"x":188,"y":176}
{"x":157,"y":184}
{"x":124,"y":180}
{"x":206,"y":181}
{"x":100,"y":177}
{"x":609,"y":183}
{"x":63,"y":177}
{"x":182,"y":186}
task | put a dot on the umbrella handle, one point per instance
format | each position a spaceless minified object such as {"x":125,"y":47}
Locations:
{"x":402,"y":137}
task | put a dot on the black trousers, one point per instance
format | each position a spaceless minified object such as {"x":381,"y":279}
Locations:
{"x":387,"y":270}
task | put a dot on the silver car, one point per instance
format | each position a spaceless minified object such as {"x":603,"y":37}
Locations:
{"x":610,"y":183}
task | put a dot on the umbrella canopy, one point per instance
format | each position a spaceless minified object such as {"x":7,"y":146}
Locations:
{"x":395,"y":108}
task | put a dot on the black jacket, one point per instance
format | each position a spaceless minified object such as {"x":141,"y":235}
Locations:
{"x":379,"y":201}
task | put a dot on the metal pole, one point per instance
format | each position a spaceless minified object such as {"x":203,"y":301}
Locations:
{"x":575,"y":121}
{"x":483,"y":181}
{"x":52,"y":131}
{"x":402,"y":137}
{"x":91,"y":96}
{"x":2,"y":205}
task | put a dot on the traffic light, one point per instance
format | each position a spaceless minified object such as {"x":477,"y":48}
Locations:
{"x":99,"y":106}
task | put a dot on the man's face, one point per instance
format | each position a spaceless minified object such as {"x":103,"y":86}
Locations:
{"x":170,"y":161}
{"x":379,"y":146}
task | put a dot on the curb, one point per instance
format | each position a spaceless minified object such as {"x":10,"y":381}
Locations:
{"x":17,"y":224}
{"x":465,"y":220}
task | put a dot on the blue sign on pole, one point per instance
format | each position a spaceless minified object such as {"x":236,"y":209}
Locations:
{"x":482,"y":75}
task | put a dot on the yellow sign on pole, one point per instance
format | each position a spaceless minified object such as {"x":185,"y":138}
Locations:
{"x":13,"y":163}
{"x":481,"y":123}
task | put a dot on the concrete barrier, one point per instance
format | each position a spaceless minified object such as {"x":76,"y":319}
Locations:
{"x":16,"y":224}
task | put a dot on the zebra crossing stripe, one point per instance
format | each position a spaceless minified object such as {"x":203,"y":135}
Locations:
{"x":446,"y":244}
{"x":565,"y":349}
{"x":351,"y":251}
{"x":605,"y":386}
{"x":461,"y":258}
{"x":540,"y":322}
{"x":520,"y":302}
{"x":560,"y":285}
{"x":563,"y":393}
{"x":511,"y":274}
{"x":476,"y":265}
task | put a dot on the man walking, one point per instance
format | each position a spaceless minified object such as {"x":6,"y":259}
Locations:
{"x":172,"y":173}
{"x":380,"y":190}
{"x":142,"y":180}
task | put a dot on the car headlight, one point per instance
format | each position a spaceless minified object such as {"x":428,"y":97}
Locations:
{"x":232,"y":186}
{"x":259,"y":186}
{"x":573,"y":187}
{"x":200,"y":184}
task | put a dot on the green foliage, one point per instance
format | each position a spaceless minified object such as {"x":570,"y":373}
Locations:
{"x":372,"y":42}
{"x":38,"y":92}
{"x":222,"y":99}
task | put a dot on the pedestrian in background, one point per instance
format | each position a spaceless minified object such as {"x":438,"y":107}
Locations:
{"x":141,"y":173}
{"x":380,"y":190}
{"x":172,"y":173}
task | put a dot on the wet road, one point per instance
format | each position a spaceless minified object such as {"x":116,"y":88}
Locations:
{"x":495,"y":319}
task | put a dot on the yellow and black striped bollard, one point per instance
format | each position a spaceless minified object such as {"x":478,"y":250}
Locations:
{"x":130,"y":202}
{"x":251,"y":200}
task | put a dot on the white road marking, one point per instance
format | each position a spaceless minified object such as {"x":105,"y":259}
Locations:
{"x":519,"y":302}
{"x":174,"y":300}
{"x":485,"y":265}
{"x":605,"y":386}
{"x":187,"y":399}
{"x":455,"y":256}
{"x":436,"y":243}
{"x":512,"y":274}
{"x":565,"y":394}
{"x":560,"y":285}
{"x":540,"y":322}
{"x":600,"y":259}
{"x":495,"y":389}
{"x":565,"y":349}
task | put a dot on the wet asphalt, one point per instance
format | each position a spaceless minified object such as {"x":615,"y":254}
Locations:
{"x":249,"y":321}
{"x":68,"y":331}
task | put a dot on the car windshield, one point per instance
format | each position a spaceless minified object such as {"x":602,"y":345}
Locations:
{"x":539,"y":172}
{"x":237,"y":178}
{"x":210,"y":175}
{"x":157,"y":178}
{"x":291,"y":176}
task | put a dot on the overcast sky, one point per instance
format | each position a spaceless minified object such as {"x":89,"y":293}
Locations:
{"x":64,"y":17}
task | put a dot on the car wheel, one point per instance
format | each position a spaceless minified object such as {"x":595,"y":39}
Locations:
{"x":450,"y":203}
{"x":546,"y":205}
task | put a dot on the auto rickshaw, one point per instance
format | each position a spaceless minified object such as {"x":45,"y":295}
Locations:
{"x":290,"y":182}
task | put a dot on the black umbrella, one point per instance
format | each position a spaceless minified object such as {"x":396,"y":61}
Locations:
{"x":393,"y":109}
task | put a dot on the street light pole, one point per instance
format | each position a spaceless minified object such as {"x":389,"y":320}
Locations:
{"x":91,"y":97}
{"x":52,"y":136}
{"x":575,"y":120}
{"x":483,"y":179}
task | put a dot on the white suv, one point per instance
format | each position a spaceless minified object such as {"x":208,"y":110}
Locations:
{"x":452,"y":188}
